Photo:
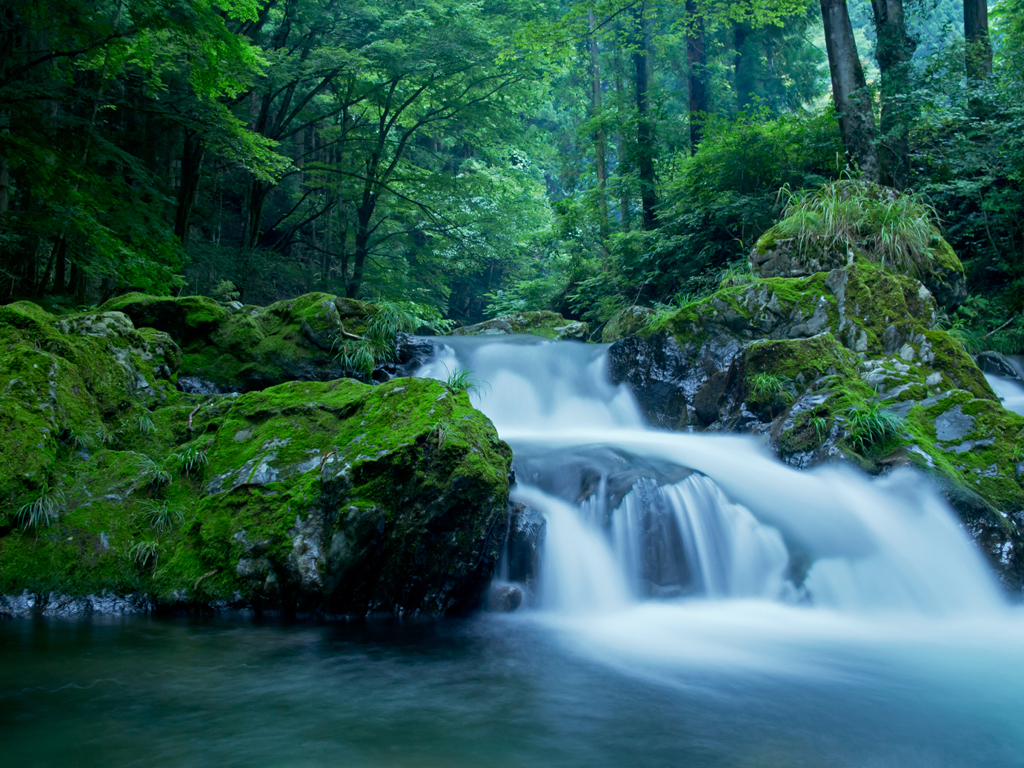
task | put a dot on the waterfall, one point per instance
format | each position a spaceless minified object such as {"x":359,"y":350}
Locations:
{"x":635,"y":514}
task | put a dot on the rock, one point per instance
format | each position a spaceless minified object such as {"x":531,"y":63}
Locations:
{"x":998,"y":365}
{"x":526,"y":530}
{"x":250,"y":348}
{"x":504,"y":598}
{"x":63,"y":386}
{"x":331,"y":497}
{"x":626,"y":322}
{"x":742,"y":361}
{"x":350,"y":497}
{"x":796,"y":247}
{"x":550,"y":325}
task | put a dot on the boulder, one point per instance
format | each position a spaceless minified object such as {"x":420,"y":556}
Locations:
{"x":814,"y":364}
{"x":245,"y":348}
{"x":550,"y":325}
{"x":320,"y":497}
{"x":802,"y":244}
{"x":627,"y":322}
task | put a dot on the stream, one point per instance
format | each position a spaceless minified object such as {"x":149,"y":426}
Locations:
{"x":695,"y":603}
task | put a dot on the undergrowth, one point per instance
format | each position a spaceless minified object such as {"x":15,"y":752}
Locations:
{"x":895,"y":228}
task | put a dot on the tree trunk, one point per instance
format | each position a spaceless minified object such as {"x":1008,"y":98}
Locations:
{"x":600,"y":160}
{"x":191,"y":165}
{"x":362,"y":245}
{"x":849,"y":91}
{"x":743,"y":67}
{"x":60,"y":273}
{"x":645,"y":127}
{"x":979,"y":46}
{"x":620,"y":167}
{"x":893,"y":50}
{"x":697,"y":59}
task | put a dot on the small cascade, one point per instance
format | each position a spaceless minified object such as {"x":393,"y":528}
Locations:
{"x":634,"y":514}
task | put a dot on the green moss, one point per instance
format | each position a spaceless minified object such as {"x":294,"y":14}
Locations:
{"x":549,"y":325}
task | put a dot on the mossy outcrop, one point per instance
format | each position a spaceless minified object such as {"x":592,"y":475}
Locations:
{"x":335,"y":497}
{"x":626,"y":322}
{"x":550,"y":325}
{"x":849,"y":365}
{"x":850,"y":219}
{"x":243,"y":348}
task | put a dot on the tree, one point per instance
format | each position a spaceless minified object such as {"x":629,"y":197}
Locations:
{"x":849,"y":89}
{"x":979,"y":47}
{"x":894,"y":49}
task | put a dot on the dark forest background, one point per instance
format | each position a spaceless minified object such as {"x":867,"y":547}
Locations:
{"x":477,"y":158}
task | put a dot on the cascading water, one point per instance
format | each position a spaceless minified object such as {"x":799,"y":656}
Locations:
{"x":1010,"y":390}
{"x":633,"y":513}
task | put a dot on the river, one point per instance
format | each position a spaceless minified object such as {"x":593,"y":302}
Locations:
{"x":697,"y":604}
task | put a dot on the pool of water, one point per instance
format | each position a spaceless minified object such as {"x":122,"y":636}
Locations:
{"x":702,"y":684}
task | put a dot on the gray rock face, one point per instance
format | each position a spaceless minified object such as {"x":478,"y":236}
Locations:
{"x":785,"y":259}
{"x":954,"y":424}
{"x":526,"y":532}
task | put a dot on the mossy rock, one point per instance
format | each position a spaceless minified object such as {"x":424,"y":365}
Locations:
{"x":188,"y":319}
{"x":549,"y":325}
{"x":250,"y":348}
{"x":71,"y":382}
{"x":799,"y":359}
{"x":332,"y":497}
{"x":793,"y":248}
{"x":626,"y":322}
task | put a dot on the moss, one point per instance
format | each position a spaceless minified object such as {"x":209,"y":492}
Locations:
{"x":627,"y":322}
{"x":68,"y":383}
{"x":186,"y":318}
{"x":549,"y":325}
{"x":944,"y":256}
{"x":332,"y":462}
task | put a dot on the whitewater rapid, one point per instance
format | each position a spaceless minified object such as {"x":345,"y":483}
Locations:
{"x":758,"y":564}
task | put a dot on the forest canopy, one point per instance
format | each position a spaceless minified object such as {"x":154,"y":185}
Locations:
{"x":479,"y":158}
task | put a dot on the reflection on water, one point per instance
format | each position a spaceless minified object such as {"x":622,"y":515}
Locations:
{"x":738,"y":685}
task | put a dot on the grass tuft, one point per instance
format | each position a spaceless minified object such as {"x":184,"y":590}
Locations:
{"x":895,"y":228}
{"x":871,"y":425}
{"x":42,"y":510}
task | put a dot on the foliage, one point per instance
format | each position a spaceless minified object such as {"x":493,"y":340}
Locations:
{"x":153,"y":475}
{"x":144,"y":553}
{"x":162,"y":517}
{"x":443,"y":429}
{"x":821,"y":428}
{"x":42,"y":510}
{"x":766,"y":384}
{"x":190,"y":459}
{"x":871,"y":425}
{"x":461,"y":380}
{"x":719,"y":202}
{"x":895,"y":228}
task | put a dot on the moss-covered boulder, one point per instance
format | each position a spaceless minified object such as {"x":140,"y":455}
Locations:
{"x":241,"y":348}
{"x":71,"y":383}
{"x":337,"y":497}
{"x":626,"y":322}
{"x":550,"y":325}
{"x":846,"y":365}
{"x":845,"y":219}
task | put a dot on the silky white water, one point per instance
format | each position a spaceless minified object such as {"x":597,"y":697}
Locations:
{"x":732,"y":528}
{"x":1010,"y":391}
{"x":754,"y":565}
